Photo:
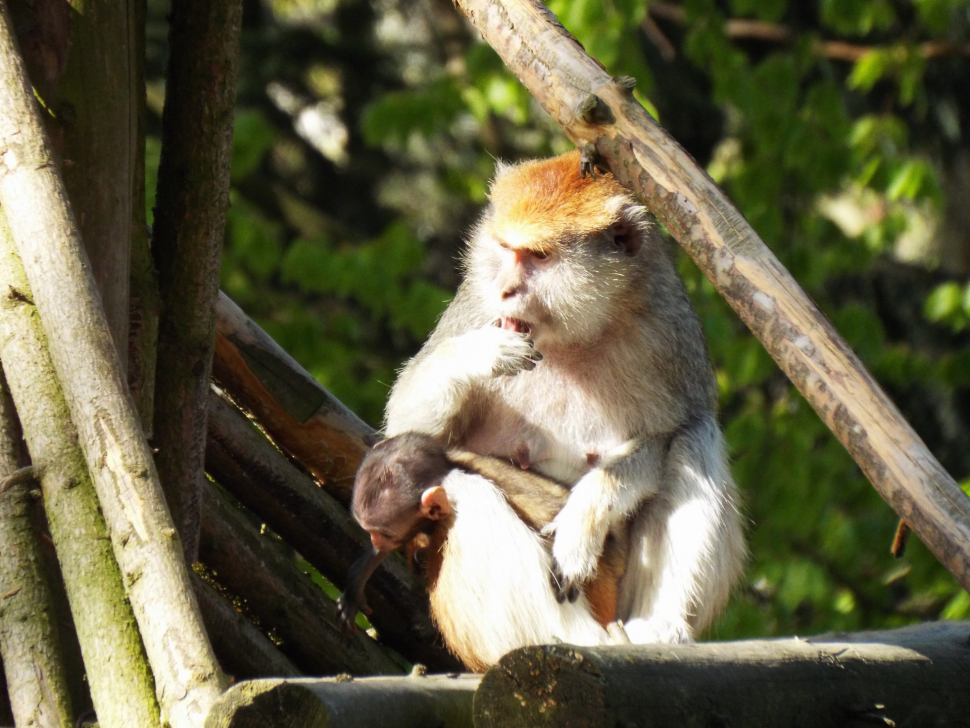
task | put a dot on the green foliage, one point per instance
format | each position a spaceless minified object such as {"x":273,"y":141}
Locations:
{"x":835,"y":163}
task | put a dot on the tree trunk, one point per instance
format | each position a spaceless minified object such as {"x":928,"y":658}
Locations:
{"x":95,"y":131}
{"x":284,"y":599}
{"x":244,"y":462}
{"x":601,"y":116}
{"x":144,"y":301}
{"x":118,"y":675}
{"x":911,"y":677}
{"x":188,"y":678}
{"x":190,"y":221}
{"x":29,"y":642}
{"x":417,"y":701}
{"x":300,"y":415}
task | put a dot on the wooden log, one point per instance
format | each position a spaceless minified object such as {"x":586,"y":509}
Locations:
{"x":240,"y":458}
{"x":601,"y":116}
{"x":37,"y":678}
{"x":93,"y":125}
{"x":190,"y":224}
{"x":244,"y":652}
{"x":417,"y":701}
{"x":911,"y":677}
{"x":287,"y":602}
{"x":117,"y":669}
{"x":144,"y":299}
{"x":301,"y":416}
{"x":145,"y":543}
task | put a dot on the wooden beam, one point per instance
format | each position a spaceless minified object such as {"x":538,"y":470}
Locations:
{"x":910,"y":677}
{"x":301,"y":416}
{"x":601,"y":116}
{"x":259,"y":569}
{"x":244,"y":462}
{"x":417,"y":701}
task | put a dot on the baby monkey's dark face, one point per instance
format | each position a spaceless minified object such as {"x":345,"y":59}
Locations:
{"x":397,"y":493}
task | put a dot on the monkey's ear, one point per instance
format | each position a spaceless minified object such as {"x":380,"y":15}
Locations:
{"x":434,"y":503}
{"x":625,"y":236}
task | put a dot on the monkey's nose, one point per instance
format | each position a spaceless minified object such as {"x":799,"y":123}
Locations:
{"x":380,"y":543}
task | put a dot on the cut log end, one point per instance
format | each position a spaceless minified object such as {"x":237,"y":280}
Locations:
{"x":550,"y":685}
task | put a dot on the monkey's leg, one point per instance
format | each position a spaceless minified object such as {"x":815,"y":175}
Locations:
{"x":686,"y":545}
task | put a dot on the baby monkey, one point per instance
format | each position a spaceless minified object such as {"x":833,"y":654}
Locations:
{"x":410,"y":491}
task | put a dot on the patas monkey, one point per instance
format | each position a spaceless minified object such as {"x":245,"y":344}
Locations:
{"x":569,"y":270}
{"x":409,"y":488}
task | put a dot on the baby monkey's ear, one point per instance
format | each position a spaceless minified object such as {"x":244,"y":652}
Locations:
{"x":434,"y":503}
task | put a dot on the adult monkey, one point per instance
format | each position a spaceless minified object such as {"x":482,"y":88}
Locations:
{"x":570,"y":271}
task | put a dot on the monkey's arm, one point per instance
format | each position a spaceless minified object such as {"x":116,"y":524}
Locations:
{"x":535,"y":498}
{"x":353,"y":599}
{"x":607,"y":494}
{"x":434,"y":386}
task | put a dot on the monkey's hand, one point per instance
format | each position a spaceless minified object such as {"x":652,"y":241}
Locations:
{"x":495,"y":352}
{"x":348,"y":604}
{"x":579,"y":531}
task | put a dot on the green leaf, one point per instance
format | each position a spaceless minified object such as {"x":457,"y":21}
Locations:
{"x":944,"y":302}
{"x":252,"y":138}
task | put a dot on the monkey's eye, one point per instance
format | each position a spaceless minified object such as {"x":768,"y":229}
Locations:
{"x":540,"y":255}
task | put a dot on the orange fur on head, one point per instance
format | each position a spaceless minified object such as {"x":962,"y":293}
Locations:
{"x":537,"y":204}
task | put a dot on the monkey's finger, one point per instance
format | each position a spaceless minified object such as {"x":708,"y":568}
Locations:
{"x":556,"y":584}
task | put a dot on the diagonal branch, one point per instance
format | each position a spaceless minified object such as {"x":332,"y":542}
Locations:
{"x":601,"y":116}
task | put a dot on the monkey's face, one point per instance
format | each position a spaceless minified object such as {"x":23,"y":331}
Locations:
{"x":556,"y":255}
{"x":563,"y":292}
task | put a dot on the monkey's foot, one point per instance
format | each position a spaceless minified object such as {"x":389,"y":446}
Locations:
{"x":657,"y":630}
{"x":617,"y":632}
{"x":563,"y":588}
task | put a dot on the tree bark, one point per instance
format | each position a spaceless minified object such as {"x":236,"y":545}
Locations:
{"x":601,"y":116}
{"x":244,"y":462}
{"x":301,"y":416}
{"x":417,"y":701}
{"x":94,"y":129}
{"x":118,"y":674}
{"x":37,"y":680}
{"x":244,"y":652}
{"x":144,"y":300}
{"x":190,"y":221}
{"x":188,"y":678}
{"x":911,"y":677}
{"x":286,"y":601}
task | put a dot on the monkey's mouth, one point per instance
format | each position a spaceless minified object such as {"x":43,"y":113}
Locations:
{"x":513,"y":324}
